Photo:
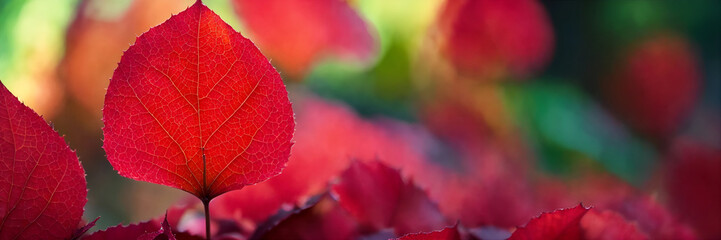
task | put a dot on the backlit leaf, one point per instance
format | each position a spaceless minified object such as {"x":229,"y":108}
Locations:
{"x":42,"y":185}
{"x":194,"y":105}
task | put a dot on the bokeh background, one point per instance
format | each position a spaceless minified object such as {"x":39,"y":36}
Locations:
{"x":527,"y":105}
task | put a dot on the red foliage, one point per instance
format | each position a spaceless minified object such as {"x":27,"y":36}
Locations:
{"x":654,"y":219}
{"x":496,"y":39}
{"x":324,"y":219}
{"x":378,"y":198}
{"x":657,"y":85}
{"x":295,"y":33}
{"x":196,"y":106}
{"x":322,"y":142}
{"x":609,"y":225}
{"x":149,"y":230}
{"x":449,"y":233}
{"x":693,"y":180}
{"x":42,"y":184}
{"x":559,"y":224}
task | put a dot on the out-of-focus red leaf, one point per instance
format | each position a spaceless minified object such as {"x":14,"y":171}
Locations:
{"x":324,"y":219}
{"x":370,"y":192}
{"x":483,"y":190}
{"x":449,"y":233}
{"x":653,"y":219}
{"x":559,"y":224}
{"x":693,"y":180}
{"x":656,"y":87}
{"x":609,"y":225}
{"x":42,"y":184}
{"x":321,"y":142}
{"x":94,"y":44}
{"x":194,"y":105}
{"x":295,"y":33}
{"x":378,"y":198}
{"x":496,"y":39}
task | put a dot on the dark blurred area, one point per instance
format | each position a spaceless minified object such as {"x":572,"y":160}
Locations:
{"x":524,"y":105}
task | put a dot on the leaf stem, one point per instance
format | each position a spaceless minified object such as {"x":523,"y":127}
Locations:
{"x":206,"y":203}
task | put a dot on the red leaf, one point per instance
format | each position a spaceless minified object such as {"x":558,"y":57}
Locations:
{"x":82,"y":230}
{"x":297,"y":32}
{"x":322,"y":152}
{"x":490,"y":38}
{"x":449,"y":233}
{"x":194,"y":83}
{"x":657,"y":85}
{"x":142,"y":231}
{"x":379,"y":198}
{"x":42,"y":185}
{"x":609,"y":225}
{"x":653,"y":219}
{"x":559,"y":224}
{"x":323,"y":219}
{"x":694,"y":177}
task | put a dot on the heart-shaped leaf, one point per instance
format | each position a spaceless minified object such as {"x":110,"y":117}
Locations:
{"x":194,"y":105}
{"x":42,"y":185}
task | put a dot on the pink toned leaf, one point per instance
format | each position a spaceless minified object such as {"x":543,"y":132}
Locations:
{"x":609,"y":225}
{"x":559,"y":224}
{"x":298,"y":32}
{"x":42,"y":185}
{"x":194,"y":105}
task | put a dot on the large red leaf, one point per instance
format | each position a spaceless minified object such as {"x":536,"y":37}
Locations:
{"x":42,"y":185}
{"x":298,"y":32}
{"x":196,"y":106}
{"x":560,"y":224}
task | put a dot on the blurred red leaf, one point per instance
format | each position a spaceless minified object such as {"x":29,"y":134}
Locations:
{"x":449,"y":233}
{"x":559,"y":224}
{"x":295,"y":33}
{"x":379,"y":198}
{"x":693,"y":180}
{"x":496,"y":39}
{"x":196,"y":106}
{"x":657,"y":85}
{"x":654,"y":219}
{"x":322,"y":143}
{"x":610,"y":225}
{"x":322,"y":219}
{"x":42,"y":184}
